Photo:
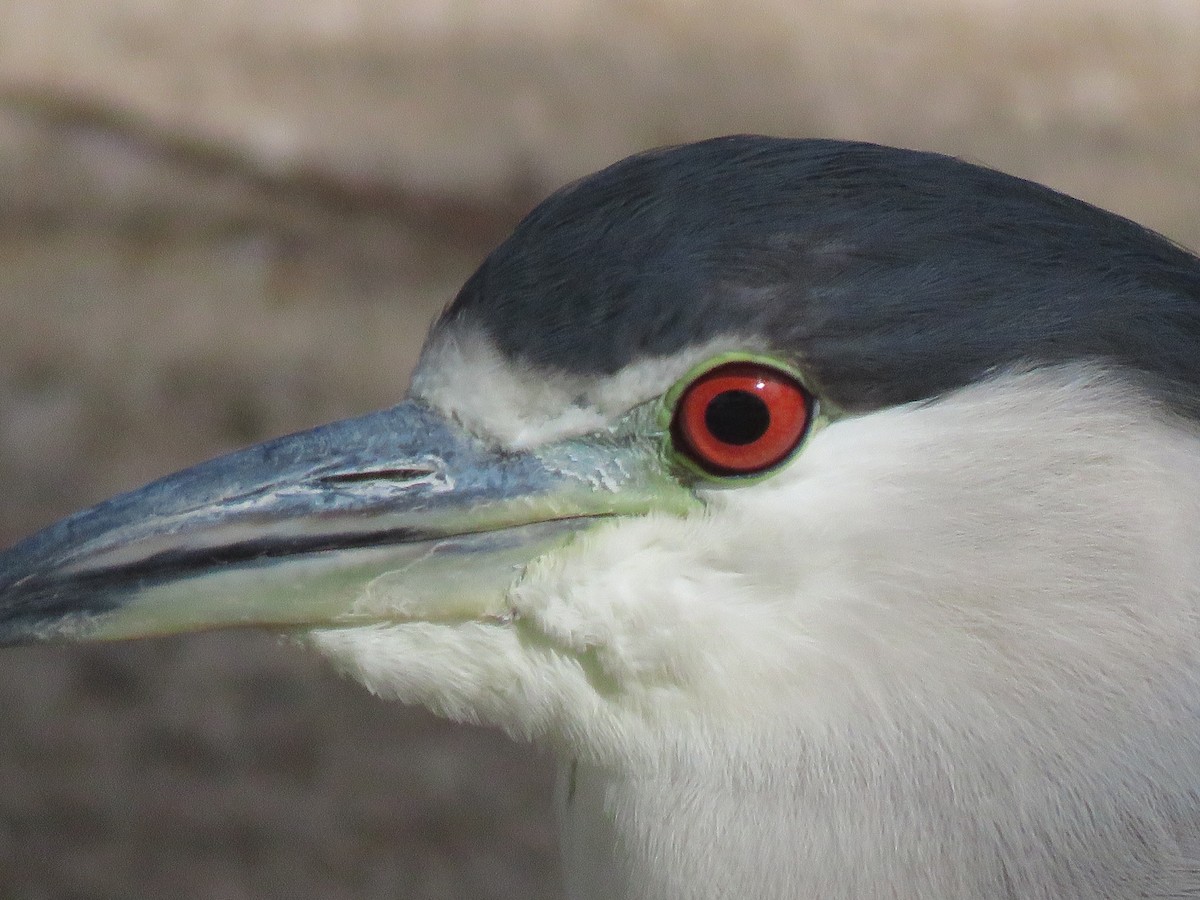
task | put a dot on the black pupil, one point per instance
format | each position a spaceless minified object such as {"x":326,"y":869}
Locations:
{"x":737,"y":417}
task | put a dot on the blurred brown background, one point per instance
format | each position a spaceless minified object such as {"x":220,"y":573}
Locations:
{"x":222,"y":221}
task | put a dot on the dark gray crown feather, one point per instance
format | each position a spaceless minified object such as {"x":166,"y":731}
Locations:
{"x":888,"y":275}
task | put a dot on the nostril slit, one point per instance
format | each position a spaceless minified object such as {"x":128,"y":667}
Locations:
{"x":399,"y":474}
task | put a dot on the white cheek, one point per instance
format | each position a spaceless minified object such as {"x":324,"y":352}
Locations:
{"x":1038,"y":529}
{"x":621,"y":591}
{"x":668,"y":609}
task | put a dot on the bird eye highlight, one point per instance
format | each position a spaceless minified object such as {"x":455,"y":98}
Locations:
{"x":740,"y":418}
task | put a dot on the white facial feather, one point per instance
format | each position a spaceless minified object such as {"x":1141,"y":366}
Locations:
{"x":465,"y":377}
{"x":952,"y":650}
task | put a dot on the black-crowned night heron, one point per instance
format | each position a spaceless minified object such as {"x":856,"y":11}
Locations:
{"x":832,"y":511}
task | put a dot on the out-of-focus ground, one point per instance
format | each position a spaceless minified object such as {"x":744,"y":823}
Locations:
{"x":222,"y":221}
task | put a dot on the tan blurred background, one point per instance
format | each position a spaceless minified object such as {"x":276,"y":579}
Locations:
{"x":221,"y":221}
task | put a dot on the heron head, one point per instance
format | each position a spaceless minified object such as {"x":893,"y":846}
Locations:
{"x":748,"y":435}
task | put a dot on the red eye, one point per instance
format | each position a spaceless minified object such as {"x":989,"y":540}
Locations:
{"x":741,"y":418}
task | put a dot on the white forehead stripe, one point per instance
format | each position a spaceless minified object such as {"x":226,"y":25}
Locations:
{"x":464,"y":376}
